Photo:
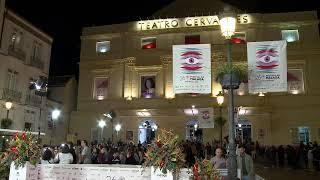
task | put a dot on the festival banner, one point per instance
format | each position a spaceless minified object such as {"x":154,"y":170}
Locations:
{"x":205,"y":118}
{"x":192,"y":68}
{"x":267,"y":64}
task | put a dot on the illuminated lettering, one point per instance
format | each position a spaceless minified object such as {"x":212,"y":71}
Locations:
{"x":245,"y":19}
{"x":195,"y":22}
{"x":202,"y":22}
{"x":174,"y":23}
{"x":154,"y":26}
{"x":166,"y":25}
{"x":148,"y":25}
{"x":140,"y":24}
{"x":188,"y":22}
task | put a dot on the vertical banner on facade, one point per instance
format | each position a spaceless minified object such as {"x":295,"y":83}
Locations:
{"x":205,"y":118}
{"x":192,"y":68}
{"x":267,"y":63}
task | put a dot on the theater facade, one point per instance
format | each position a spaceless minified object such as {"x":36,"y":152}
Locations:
{"x":127,"y":68}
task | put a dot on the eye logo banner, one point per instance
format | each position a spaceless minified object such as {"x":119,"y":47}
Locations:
{"x":267,"y":66}
{"x":192,"y":68}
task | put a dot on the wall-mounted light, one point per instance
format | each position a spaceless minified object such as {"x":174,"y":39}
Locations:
{"x":261,"y":94}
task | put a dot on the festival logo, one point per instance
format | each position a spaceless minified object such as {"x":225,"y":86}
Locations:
{"x":267,"y":58}
{"x":191,"y":60}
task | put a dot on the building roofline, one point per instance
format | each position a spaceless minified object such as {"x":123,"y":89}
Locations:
{"x":29,"y":26}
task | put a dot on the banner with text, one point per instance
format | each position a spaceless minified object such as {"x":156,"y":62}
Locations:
{"x":205,"y":118}
{"x":192,"y":68}
{"x":267,"y":64}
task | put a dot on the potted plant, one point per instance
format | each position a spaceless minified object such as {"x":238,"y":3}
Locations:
{"x":204,"y":170}
{"x":230,"y":76}
{"x":164,"y":156}
{"x":22,"y":155}
{"x":6,"y":123}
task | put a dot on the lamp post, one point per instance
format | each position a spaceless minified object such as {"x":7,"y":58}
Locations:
{"x":102,"y":124}
{"x":54,"y":116}
{"x":228,"y":25}
{"x":41,"y":88}
{"x":220,"y":100}
{"x":8,"y":107}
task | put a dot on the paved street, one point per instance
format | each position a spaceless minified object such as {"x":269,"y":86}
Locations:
{"x":285,"y":173}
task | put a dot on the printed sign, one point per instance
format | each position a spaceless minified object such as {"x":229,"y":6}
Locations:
{"x":192,"y":68}
{"x":205,"y":118}
{"x":267,"y":63}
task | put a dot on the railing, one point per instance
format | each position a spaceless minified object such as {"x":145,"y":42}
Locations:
{"x":36,"y":62}
{"x":17,"y":52}
{"x":33,"y":100}
{"x":11,"y":95}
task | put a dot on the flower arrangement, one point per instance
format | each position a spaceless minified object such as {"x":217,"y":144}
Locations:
{"x":22,"y":148}
{"x":204,"y":170}
{"x":165,"y":153}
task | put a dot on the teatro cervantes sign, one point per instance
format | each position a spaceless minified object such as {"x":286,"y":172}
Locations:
{"x":199,"y":21}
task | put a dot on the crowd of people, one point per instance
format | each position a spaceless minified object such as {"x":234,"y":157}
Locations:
{"x":301,"y":156}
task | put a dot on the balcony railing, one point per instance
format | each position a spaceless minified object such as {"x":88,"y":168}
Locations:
{"x":17,"y":52}
{"x":11,"y":95}
{"x":36,"y":62}
{"x":33,"y":100}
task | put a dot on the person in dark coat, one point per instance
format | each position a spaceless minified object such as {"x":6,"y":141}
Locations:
{"x":281,"y":156}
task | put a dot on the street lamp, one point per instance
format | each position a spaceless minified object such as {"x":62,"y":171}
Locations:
{"x":54,"y":116}
{"x":220,"y":100}
{"x":41,"y":88}
{"x":8,"y":107}
{"x":102,"y":124}
{"x":117,"y":128}
{"x":111,"y":115}
{"x":228,"y":26}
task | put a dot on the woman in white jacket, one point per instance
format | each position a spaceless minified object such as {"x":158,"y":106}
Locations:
{"x":64,"y":157}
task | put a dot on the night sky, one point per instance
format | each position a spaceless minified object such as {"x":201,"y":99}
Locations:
{"x":63,"y":21}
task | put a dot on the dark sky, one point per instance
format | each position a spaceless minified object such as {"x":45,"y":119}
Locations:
{"x":63,"y":20}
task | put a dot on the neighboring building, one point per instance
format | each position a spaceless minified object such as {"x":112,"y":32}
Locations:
{"x":63,"y":89}
{"x":25,"y":55}
{"x":116,"y":61}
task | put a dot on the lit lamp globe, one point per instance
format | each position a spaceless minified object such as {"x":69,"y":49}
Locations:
{"x":227,"y":23}
{"x":118,"y":127}
{"x":55,"y":114}
{"x":220,"y":98}
{"x":8,"y":105}
{"x":102,"y":123}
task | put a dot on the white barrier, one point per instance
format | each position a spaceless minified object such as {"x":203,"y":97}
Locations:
{"x":92,"y":172}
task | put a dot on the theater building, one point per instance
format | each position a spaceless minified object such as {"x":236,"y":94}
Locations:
{"x":127,"y":68}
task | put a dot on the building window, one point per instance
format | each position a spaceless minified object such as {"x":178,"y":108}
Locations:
{"x":36,"y":50}
{"x":16,"y":39}
{"x":27,"y":126}
{"x":304,"y":134}
{"x":101,"y":85}
{"x":295,"y":81}
{"x":148,"y":86}
{"x":290,"y":35}
{"x":149,"y":43}
{"x":103,"y":46}
{"x":192,"y":39}
{"x":11,"y":79}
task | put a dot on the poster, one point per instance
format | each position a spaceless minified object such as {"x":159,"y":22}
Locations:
{"x":192,"y":68}
{"x":295,"y":81}
{"x":205,"y":118}
{"x":101,"y":87}
{"x":148,"y":86}
{"x":267,"y":66}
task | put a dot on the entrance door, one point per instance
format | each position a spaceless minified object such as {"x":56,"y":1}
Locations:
{"x":243,"y":131}
{"x":147,"y":131}
{"x":193,"y":133}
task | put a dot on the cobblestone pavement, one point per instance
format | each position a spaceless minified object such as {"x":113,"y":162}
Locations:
{"x":276,"y":173}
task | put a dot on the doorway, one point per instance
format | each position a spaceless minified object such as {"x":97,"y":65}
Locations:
{"x":147,"y":131}
{"x":243,"y":131}
{"x":193,"y":133}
